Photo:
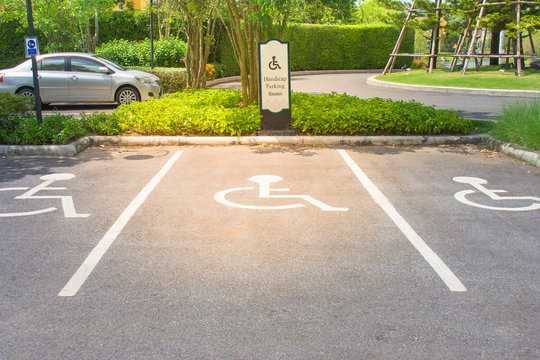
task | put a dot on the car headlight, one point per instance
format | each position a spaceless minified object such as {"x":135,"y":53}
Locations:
{"x":144,"y":80}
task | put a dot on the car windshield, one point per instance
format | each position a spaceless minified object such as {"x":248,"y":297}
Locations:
{"x":24,"y":66}
{"x":110,"y":63}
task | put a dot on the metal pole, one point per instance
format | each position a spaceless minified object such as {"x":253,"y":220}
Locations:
{"x":34,"y":62}
{"x":152,"y":34}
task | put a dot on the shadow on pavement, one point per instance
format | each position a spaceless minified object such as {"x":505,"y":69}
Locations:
{"x":17,"y":167}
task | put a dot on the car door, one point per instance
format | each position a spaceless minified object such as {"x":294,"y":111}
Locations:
{"x":53,"y":81}
{"x":86,"y":81}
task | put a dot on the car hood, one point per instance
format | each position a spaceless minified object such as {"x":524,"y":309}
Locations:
{"x":139,"y":73}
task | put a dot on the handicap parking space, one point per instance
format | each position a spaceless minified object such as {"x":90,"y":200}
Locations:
{"x":272,"y":252}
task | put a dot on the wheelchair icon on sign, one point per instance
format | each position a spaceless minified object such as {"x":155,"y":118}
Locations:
{"x":66,"y":201}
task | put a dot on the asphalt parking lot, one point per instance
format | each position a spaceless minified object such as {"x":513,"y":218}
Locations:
{"x":270,"y":252}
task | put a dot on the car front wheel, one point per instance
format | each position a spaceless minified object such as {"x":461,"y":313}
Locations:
{"x":127,"y":95}
{"x":25,"y":92}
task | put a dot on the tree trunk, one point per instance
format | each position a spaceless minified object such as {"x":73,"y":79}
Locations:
{"x":494,"y":46}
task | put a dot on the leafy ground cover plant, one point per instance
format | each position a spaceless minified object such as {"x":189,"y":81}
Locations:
{"x":14,"y":104}
{"x":25,"y":129}
{"x":219,"y":113}
{"x":193,"y":112}
{"x":520,"y":123}
{"x":19,"y":125}
{"x":348,"y":115}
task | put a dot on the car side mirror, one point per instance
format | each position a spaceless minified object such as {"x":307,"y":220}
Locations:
{"x":104,"y":70}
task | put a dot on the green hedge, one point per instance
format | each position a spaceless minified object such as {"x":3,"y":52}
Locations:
{"x":167,"y":53}
{"x":333,"y":47}
{"x":12,"y":33}
{"x":133,"y":25}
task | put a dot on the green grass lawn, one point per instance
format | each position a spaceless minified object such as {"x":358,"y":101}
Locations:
{"x":489,"y":77}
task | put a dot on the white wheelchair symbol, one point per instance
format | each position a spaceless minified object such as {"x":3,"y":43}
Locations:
{"x":264,"y":182}
{"x":67,"y":201}
{"x":492,"y":194}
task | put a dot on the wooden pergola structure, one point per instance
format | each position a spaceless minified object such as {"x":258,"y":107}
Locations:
{"x":467,"y":37}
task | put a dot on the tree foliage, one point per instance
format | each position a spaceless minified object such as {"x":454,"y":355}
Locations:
{"x":64,"y":23}
{"x":199,"y":22}
{"x":247,"y":23}
{"x":323,"y":11}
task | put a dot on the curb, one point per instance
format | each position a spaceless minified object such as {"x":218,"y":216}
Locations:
{"x":453,"y":90}
{"x":530,"y":157}
{"x":513,"y":150}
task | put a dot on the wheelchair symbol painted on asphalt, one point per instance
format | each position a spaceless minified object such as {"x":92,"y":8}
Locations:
{"x":478,"y":183}
{"x":67,"y":201}
{"x":265,"y":192}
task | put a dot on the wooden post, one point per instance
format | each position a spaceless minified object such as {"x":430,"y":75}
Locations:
{"x":484,"y":31}
{"x":390,"y":64}
{"x":473,"y":39}
{"x":532,"y":42}
{"x":518,"y":39}
{"x":435,"y":38}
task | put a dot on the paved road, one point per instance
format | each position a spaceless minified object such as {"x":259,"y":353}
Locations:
{"x":481,"y":107}
{"x":77,"y":109}
{"x":274,"y":252}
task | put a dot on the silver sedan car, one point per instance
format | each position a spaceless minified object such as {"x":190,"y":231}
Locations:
{"x":80,"y":78}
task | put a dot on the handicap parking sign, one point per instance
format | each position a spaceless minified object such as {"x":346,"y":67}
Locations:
{"x":31,"y":45}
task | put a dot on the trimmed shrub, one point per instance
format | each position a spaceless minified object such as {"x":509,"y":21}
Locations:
{"x":14,"y":104}
{"x":172,"y":79}
{"x":167,"y":53}
{"x":333,"y":47}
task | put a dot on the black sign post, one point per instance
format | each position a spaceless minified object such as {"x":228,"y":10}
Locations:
{"x":275,"y":85}
{"x":34,"y":62}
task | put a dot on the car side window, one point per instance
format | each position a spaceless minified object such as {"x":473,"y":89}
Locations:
{"x":85,"y":65}
{"x":51,"y":64}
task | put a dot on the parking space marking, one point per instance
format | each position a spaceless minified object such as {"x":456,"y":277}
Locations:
{"x":478,"y":183}
{"x":80,"y":276}
{"x":447,"y":276}
{"x":66,"y":200}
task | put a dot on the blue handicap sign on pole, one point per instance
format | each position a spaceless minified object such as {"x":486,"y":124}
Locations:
{"x":31,"y":46}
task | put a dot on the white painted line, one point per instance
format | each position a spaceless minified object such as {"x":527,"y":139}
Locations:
{"x":80,"y":276}
{"x":447,"y":276}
